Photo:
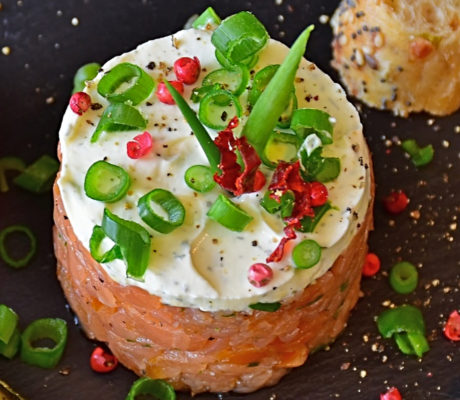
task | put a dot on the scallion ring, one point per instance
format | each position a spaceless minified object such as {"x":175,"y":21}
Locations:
{"x":85,"y":73}
{"x":140,"y":84}
{"x":119,"y":117}
{"x":168,"y":203}
{"x":10,"y":349}
{"x":240,"y":36}
{"x":403,"y":277}
{"x":218,"y":108}
{"x":235,"y":79}
{"x":4,"y":253}
{"x":200,"y":178}
{"x":281,"y":146}
{"x":306,"y":121}
{"x":228,"y":214}
{"x":134,"y":241}
{"x":306,"y":254}
{"x":155,"y":388}
{"x":95,"y":242}
{"x":8,"y":323}
{"x":45,"y":328}
{"x":248,"y":62}
{"x":106,"y":182}
{"x":208,"y":19}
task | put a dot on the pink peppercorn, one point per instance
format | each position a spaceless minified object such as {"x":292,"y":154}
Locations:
{"x":163,"y":93}
{"x":187,"y":69}
{"x":259,"y":274}
{"x":80,"y":102}
{"x":319,"y":194}
{"x":139,"y":146}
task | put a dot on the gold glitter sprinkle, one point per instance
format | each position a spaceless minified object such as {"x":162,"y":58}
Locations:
{"x":445,"y":144}
{"x":363,"y":373}
{"x":415,"y":214}
{"x":75,"y":21}
{"x":430,"y":122}
{"x":453,"y":226}
{"x":6,"y":50}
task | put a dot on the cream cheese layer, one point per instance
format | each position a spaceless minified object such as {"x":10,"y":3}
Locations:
{"x":203,"y":264}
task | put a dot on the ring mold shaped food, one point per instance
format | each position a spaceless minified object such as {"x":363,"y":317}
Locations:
{"x":188,"y":320}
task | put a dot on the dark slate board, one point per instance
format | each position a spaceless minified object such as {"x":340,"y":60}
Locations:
{"x":46,"y":49}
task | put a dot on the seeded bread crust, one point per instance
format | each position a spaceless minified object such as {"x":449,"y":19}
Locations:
{"x":401,"y":55}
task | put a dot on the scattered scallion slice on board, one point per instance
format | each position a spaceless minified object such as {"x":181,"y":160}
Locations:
{"x":140,"y":85}
{"x":39,"y":176}
{"x":420,"y":156}
{"x":200,"y":178}
{"x":119,"y":117}
{"x":275,"y":98}
{"x":11,"y":348}
{"x":239,"y":37}
{"x":207,"y":20}
{"x":210,"y":149}
{"x":228,"y":214}
{"x":85,"y":73}
{"x":8,"y":323}
{"x":219,"y":107}
{"x":54,"y":329}
{"x":134,"y":241}
{"x":168,"y":203}
{"x":5,"y":253}
{"x":153,"y":388}
{"x":9,"y":163}
{"x":403,"y":277}
{"x":106,"y":182}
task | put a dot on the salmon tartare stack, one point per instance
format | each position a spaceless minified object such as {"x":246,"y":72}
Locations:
{"x":213,"y":206}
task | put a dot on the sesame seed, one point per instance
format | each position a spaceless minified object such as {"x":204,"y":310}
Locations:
{"x":49,"y":100}
{"x":75,"y":21}
{"x":323,"y":19}
{"x":6,"y":50}
{"x":359,"y":57}
{"x":363,"y":373}
{"x":378,"y":40}
{"x":343,"y":40}
{"x":445,"y":144}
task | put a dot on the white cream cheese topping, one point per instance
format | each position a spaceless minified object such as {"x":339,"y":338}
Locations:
{"x":202,"y":264}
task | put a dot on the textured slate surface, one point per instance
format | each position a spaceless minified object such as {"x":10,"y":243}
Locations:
{"x":46,"y":49}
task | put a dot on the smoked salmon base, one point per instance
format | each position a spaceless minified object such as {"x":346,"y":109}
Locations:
{"x":206,"y":351}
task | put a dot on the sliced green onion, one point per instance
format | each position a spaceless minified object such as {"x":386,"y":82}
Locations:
{"x":208,"y":146}
{"x":260,"y":82}
{"x":228,"y":214}
{"x":239,"y":37}
{"x":106,"y":182}
{"x":306,"y":121}
{"x":11,"y":348}
{"x":140,"y":84}
{"x":169,"y":205}
{"x":248,"y":62}
{"x":420,"y":156}
{"x":9,"y":164}
{"x":85,"y":73}
{"x":218,"y":108}
{"x":4,"y":253}
{"x":8,"y":323}
{"x":306,"y":254}
{"x":318,"y":168}
{"x":199,"y":93}
{"x":405,"y":318}
{"x":207,"y":20}
{"x":308,"y":224}
{"x":403,"y":277}
{"x":133,"y":239}
{"x":200,"y":178}
{"x":275,"y":98}
{"x":155,"y":388}
{"x":95,"y":241}
{"x":45,"y":328}
{"x":119,"y":117}
{"x":39,"y":176}
{"x":269,"y":307}
{"x":285,"y":205}
{"x":281,"y":146}
{"x":405,"y":323}
{"x":235,"y":79}
{"x":412,"y":343}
